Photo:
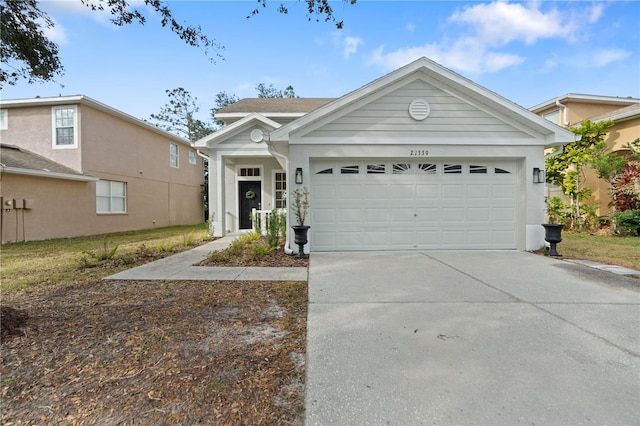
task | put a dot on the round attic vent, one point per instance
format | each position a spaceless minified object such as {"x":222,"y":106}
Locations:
{"x":419,"y":109}
{"x":256,"y":135}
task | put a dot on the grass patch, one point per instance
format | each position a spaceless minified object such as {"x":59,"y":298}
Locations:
{"x":621,"y":251}
{"x":34,"y":264}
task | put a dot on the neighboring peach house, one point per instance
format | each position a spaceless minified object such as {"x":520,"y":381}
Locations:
{"x":571,"y":109}
{"x":72,"y":166}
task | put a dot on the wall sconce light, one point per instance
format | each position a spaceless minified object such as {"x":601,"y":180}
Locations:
{"x":299,"y":176}
{"x":538,"y":175}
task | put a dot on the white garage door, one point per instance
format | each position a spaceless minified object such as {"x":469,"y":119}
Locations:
{"x":416,"y":204}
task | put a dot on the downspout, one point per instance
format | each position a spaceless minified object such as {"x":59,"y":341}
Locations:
{"x":564,"y":113}
{"x":273,"y":151}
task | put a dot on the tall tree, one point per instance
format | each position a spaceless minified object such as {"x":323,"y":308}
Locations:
{"x":26,"y":52}
{"x":270,"y":91}
{"x":178,"y":116}
{"x":566,"y":168}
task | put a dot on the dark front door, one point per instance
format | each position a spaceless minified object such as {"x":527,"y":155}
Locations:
{"x":249,"y":195}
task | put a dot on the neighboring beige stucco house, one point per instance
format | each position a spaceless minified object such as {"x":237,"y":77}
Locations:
{"x":421,"y":158}
{"x":72,"y":166}
{"x":571,"y":109}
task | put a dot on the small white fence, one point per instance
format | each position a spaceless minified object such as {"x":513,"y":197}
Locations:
{"x":262,"y":216}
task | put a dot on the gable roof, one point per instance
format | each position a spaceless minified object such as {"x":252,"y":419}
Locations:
{"x":626,"y":113}
{"x":272,"y":107}
{"x":17,"y":160}
{"x":450,"y":81}
{"x":577,"y":97}
{"x":85,"y":100}
{"x":234,"y":128}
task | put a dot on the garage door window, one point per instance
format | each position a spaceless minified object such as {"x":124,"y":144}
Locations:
{"x":501,"y":171}
{"x":452,"y":168}
{"x":429,"y":169}
{"x":401,"y":168}
{"x":478,"y":169}
{"x":350,"y":170}
{"x":325,"y":172}
{"x":373,"y":169}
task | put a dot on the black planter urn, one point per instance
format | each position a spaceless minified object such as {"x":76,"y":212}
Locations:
{"x":301,"y":238}
{"x":553,"y":235}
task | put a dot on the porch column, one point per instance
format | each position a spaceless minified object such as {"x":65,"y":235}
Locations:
{"x":216,"y":196}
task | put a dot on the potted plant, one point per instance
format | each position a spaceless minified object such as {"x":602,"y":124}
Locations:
{"x":300,"y":206}
{"x":553,"y":229}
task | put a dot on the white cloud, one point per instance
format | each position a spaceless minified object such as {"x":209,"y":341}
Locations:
{"x":478,"y":34}
{"x":499,"y":23}
{"x":56,"y":34}
{"x":603,"y":57}
{"x":350,"y":46}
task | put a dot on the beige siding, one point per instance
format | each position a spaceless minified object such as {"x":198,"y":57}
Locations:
{"x":388,"y":117}
{"x":111,"y":148}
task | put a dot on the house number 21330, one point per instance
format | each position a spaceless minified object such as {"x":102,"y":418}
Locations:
{"x":419,"y":153}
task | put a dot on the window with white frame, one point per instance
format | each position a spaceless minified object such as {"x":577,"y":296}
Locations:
{"x":192,"y":157}
{"x":111,"y":197}
{"x":174,"y":155}
{"x":65,"y":126}
{"x":280,"y":184}
{"x":4,"y":119}
{"x":553,"y":116}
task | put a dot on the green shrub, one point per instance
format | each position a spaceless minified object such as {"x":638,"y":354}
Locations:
{"x":628,"y":222}
{"x":273,"y":224}
{"x":105,"y":253}
{"x":260,"y":250}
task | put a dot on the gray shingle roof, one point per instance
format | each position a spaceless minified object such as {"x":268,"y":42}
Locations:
{"x":19,"y":158}
{"x":275,"y":105}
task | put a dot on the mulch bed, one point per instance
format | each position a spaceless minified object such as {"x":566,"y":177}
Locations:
{"x":156,"y":352}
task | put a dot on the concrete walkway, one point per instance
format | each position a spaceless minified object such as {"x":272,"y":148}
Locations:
{"x":489,"y":338}
{"x":181,"y":267}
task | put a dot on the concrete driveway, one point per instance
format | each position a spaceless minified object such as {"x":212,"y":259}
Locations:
{"x":410,"y":338}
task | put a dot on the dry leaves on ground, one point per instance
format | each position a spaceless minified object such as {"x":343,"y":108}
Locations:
{"x":156,"y":352}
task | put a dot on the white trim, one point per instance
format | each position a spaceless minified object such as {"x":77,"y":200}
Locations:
{"x":54,"y":127}
{"x":246,"y":179}
{"x":46,"y":174}
{"x":171,"y":155}
{"x":4,"y":119}
{"x":576,"y":97}
{"x":273,"y":186}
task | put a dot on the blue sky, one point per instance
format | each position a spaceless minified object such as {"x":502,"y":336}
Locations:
{"x":528,"y":52}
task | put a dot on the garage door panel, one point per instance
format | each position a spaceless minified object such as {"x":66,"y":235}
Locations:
{"x":504,"y":239}
{"x":349,"y":192}
{"x":453,"y":238}
{"x":503,"y":192}
{"x":324,"y":192}
{"x":324,"y":216}
{"x":376,"y":192}
{"x":428,"y":215}
{"x":349,"y":216}
{"x":479,"y":191}
{"x":479,"y":214}
{"x":453,"y":214}
{"x":479,"y":238}
{"x":504,"y":214}
{"x":404,"y":191}
{"x":453,"y":192}
{"x":411,"y":209}
{"x":400,"y":216}
{"x":427,"y":192}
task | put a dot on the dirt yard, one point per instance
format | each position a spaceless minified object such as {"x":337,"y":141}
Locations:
{"x":156,"y":352}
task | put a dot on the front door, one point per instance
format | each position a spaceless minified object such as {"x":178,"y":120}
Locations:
{"x":249,"y":194}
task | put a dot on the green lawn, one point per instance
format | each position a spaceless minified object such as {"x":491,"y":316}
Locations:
{"x":622,"y":251}
{"x":36,"y":264}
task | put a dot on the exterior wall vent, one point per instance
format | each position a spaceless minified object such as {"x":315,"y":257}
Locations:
{"x":419,"y":109}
